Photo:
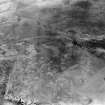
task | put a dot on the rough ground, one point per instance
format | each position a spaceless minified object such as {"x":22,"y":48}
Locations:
{"x":53,"y":55}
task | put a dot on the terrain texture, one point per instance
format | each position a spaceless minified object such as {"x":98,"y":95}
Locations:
{"x":52,"y":52}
